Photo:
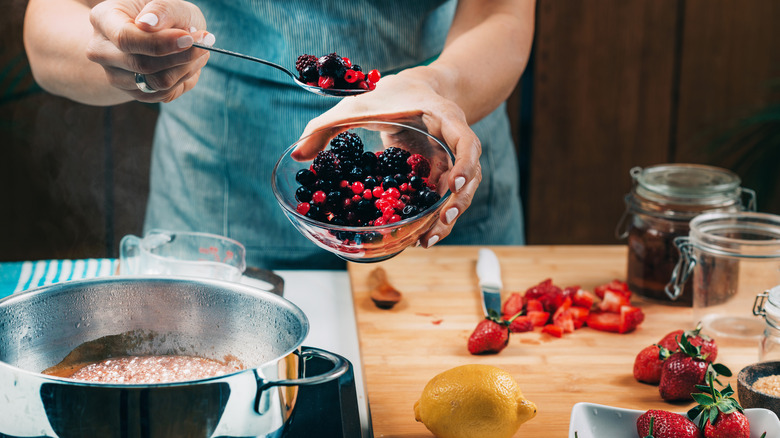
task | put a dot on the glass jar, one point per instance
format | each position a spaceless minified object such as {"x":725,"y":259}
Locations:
{"x":730,"y":256}
{"x":767,"y":304}
{"x":663,"y":200}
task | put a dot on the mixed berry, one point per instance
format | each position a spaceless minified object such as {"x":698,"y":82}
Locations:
{"x":334,"y":71}
{"x":347,"y":186}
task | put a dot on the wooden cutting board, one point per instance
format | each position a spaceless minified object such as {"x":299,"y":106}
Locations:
{"x":426,"y":333}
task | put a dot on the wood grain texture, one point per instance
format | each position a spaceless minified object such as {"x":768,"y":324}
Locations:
{"x":603,"y":79}
{"x":426,"y":333}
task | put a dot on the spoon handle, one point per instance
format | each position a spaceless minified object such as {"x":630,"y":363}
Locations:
{"x":247,"y":57}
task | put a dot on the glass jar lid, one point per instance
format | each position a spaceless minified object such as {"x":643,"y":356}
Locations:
{"x":687,"y":184}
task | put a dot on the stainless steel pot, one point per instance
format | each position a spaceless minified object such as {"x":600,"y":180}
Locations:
{"x":152,"y":315}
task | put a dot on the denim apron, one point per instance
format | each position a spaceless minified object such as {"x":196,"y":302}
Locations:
{"x":215,"y":147}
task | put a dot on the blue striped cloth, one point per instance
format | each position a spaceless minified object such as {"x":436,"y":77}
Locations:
{"x":20,"y":276}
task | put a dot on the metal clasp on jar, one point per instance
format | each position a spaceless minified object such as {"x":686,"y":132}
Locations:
{"x":683,"y":268}
{"x":758,"y":303}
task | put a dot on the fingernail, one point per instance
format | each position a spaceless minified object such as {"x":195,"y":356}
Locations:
{"x":451,"y":214}
{"x":209,"y":39}
{"x":417,"y":243}
{"x":149,"y":19}
{"x":192,"y":29}
{"x":459,"y":182}
{"x":432,"y":241}
{"x":184,"y":41}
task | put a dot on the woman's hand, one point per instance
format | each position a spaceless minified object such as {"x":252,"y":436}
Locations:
{"x":400,"y":97}
{"x":151,"y":38}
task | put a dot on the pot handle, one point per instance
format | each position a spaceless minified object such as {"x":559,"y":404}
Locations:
{"x":129,"y":250}
{"x":340,"y":367}
{"x":683,"y":268}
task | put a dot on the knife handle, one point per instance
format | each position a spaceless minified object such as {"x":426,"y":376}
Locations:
{"x":488,"y":269}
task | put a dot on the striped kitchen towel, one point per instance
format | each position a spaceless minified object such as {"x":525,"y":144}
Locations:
{"x":20,"y":276}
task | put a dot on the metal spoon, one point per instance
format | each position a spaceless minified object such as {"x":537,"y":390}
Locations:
{"x":316,"y":90}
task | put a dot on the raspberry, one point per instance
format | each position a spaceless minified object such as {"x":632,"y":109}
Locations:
{"x":419,"y":165}
{"x":393,"y":161}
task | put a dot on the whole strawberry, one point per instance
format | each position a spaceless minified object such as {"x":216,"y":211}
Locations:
{"x":664,"y":424}
{"x":720,"y":414}
{"x":709,"y":349}
{"x":649,"y":364}
{"x":489,"y":337}
{"x":684,"y":370}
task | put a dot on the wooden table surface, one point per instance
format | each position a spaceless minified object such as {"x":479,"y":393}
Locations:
{"x":426,"y":334}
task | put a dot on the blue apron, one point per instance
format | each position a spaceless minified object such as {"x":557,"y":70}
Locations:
{"x":215,"y":147}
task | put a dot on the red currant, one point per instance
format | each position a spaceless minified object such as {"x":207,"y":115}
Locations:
{"x":374,"y":75}
{"x":377,"y":192}
{"x":319,"y":197}
{"x":360,"y":75}
{"x":356,"y":198}
{"x":347,"y":62}
{"x":344,"y":184}
{"x":392,"y":192}
{"x":394,"y":218}
{"x":379,"y":221}
{"x":303,"y":208}
{"x":367,"y":194}
{"x":350,"y":76}
{"x":357,"y":187}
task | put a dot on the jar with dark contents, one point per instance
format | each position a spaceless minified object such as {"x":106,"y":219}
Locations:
{"x":663,"y":200}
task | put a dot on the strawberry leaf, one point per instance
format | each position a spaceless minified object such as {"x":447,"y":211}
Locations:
{"x":721,"y":369}
{"x":694,"y":412}
{"x":702,"y":399}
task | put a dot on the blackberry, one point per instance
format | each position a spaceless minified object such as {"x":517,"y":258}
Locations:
{"x":331,"y":65}
{"x":325,"y":165}
{"x":347,"y":145}
{"x":356,"y":174}
{"x":393,"y":161}
{"x":307,"y":68}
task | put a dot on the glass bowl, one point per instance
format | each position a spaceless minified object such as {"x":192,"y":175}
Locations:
{"x":370,"y":243}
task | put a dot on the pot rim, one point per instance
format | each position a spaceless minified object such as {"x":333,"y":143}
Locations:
{"x":236,"y":287}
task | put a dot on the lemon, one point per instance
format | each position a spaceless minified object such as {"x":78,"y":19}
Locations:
{"x":473,"y":401}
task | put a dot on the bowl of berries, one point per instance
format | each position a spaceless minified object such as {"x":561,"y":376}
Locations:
{"x":372,"y":190}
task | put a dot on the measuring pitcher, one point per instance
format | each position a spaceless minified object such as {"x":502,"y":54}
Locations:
{"x":182,"y":253}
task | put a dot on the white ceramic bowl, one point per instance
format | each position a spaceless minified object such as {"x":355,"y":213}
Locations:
{"x":592,"y":420}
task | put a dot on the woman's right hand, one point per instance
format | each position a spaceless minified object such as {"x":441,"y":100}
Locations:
{"x":152,"y":38}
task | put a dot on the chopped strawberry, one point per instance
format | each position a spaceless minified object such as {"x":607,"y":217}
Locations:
{"x":627,"y":320}
{"x":630,"y":318}
{"x":579,"y":315}
{"x":604,"y":321}
{"x":550,"y":295}
{"x":553,"y":330}
{"x":512,"y":306}
{"x":583,"y":298}
{"x":565,"y":321}
{"x":521,"y":324}
{"x":565,"y":305}
{"x":538,"y":318}
{"x":615,"y":286}
{"x":613,"y":301}
{"x":534,"y":306}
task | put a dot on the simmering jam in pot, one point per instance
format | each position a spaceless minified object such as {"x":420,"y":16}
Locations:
{"x":146,"y":369}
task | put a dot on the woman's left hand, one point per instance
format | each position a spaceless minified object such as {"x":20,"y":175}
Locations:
{"x":400,"y":97}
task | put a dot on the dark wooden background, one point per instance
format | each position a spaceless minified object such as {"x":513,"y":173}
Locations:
{"x":612,"y":84}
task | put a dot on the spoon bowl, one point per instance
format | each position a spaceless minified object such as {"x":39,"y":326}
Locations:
{"x":333,"y":92}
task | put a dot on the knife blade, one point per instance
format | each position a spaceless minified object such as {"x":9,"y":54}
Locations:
{"x":489,"y":273}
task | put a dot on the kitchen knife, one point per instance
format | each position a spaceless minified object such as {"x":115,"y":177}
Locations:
{"x":489,"y":273}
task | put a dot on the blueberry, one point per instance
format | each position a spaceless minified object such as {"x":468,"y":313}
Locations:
{"x":305,"y":177}
{"x":416,"y":182}
{"x":409,"y":211}
{"x":389,"y":182}
{"x":400,"y":179}
{"x":303,"y":194}
{"x":356,"y":174}
{"x":369,"y":182}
